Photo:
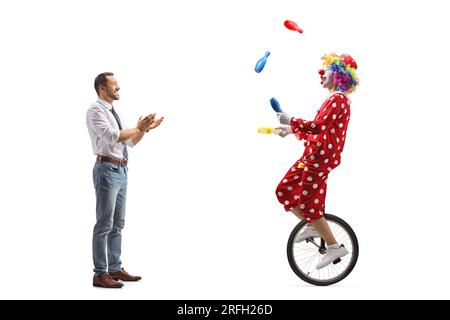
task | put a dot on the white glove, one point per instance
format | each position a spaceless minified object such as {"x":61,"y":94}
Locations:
{"x":283,"y":131}
{"x":284,"y":118}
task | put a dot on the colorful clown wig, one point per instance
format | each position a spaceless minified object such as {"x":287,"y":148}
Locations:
{"x":344,"y":71}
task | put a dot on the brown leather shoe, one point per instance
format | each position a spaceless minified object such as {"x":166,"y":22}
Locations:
{"x":105,"y":281}
{"x":124,"y":276}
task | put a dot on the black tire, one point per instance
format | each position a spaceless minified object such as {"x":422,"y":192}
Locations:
{"x":343,"y":275}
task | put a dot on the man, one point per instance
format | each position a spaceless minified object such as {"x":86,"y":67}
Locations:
{"x":110,"y":141}
{"x":302,"y":190}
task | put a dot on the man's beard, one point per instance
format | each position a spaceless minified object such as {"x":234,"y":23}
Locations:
{"x":112,"y":96}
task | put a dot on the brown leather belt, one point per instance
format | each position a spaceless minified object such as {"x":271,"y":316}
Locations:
{"x":113,"y":160}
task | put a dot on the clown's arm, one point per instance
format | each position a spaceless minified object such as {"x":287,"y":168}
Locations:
{"x":323,"y":121}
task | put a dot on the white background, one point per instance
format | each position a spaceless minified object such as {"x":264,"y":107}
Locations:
{"x":202,"y":220}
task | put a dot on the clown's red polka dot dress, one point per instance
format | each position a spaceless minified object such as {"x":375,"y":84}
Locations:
{"x":305,"y":183}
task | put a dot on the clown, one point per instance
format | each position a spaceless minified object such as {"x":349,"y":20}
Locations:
{"x":302,"y":190}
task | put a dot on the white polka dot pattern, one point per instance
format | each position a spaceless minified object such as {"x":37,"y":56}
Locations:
{"x":304,"y":188}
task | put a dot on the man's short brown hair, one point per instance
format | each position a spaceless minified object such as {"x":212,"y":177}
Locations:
{"x":101,"y":80}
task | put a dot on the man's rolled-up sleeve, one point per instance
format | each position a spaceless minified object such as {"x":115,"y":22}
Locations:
{"x":102,"y":127}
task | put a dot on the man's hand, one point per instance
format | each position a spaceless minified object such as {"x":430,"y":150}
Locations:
{"x":154,"y":124}
{"x":283,"y":131}
{"x":284,"y":118}
{"x":144,"y":123}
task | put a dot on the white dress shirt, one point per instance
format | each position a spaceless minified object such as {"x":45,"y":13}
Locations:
{"x":104,"y":130}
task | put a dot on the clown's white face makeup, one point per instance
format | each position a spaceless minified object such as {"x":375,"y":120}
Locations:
{"x":327,"y":79}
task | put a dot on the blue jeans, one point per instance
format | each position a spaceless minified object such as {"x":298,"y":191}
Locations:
{"x":110,"y":182}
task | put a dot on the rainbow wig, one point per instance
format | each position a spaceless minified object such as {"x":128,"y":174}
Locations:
{"x":344,"y":68}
